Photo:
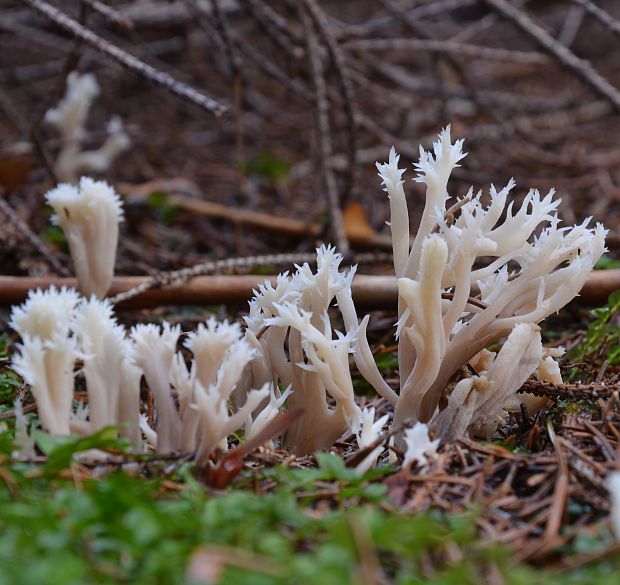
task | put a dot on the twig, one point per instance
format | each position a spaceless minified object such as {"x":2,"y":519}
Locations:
{"x":580,"y":67}
{"x":34,"y":240}
{"x":601,"y":15}
{"x":221,"y":26}
{"x":70,"y":63}
{"x":346,"y":89}
{"x":569,"y":391}
{"x":421,"y":11}
{"x":451,"y":47}
{"x":369,"y":292}
{"x":12,"y":413}
{"x":181,"y":276}
{"x":186,"y":195}
{"x":322,"y":110}
{"x":126,"y":59}
{"x":109,"y":13}
{"x":178,"y":277}
{"x":571,"y":25}
{"x":274,"y":25}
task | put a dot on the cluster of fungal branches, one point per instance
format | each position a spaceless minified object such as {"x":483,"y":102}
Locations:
{"x":491,"y":272}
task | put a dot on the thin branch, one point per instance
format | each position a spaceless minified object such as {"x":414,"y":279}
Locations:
{"x":345,"y":86}
{"x":369,"y":292}
{"x":274,"y":25}
{"x":221,"y":26}
{"x":109,"y":13}
{"x":32,"y":238}
{"x":126,"y":59}
{"x":571,"y":25}
{"x":606,"y":19}
{"x":580,"y":67}
{"x":325,"y":148}
{"x":186,"y":195}
{"x":452,"y":47}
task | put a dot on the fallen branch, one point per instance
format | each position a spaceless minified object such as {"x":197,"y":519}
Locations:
{"x":323,"y":126}
{"x":126,"y":59}
{"x":369,"y":292}
{"x":564,"y":56}
{"x":186,"y":195}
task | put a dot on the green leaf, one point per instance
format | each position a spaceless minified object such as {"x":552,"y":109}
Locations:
{"x":267,"y":166}
{"x":158,"y":202}
{"x":60,"y":450}
{"x":607,"y":263}
{"x":602,"y":335}
{"x":333,"y":468}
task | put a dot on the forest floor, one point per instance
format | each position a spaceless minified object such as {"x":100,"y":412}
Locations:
{"x":530,"y":506}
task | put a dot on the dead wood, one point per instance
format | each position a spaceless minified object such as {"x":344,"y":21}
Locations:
{"x":369,"y":292}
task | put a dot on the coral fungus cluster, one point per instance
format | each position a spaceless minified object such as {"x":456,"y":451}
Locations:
{"x":477,"y":272}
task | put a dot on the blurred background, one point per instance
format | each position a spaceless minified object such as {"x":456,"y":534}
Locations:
{"x":304,"y":97}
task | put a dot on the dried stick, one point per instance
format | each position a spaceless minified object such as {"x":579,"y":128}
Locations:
{"x":571,"y":25}
{"x":345,"y":86}
{"x":221,"y":26}
{"x":606,"y":19}
{"x":274,"y":25}
{"x":34,"y":240}
{"x":569,"y":391}
{"x":273,"y":223}
{"x":110,"y":14}
{"x":186,"y":195}
{"x":178,"y":277}
{"x":126,"y":59}
{"x":322,"y":110}
{"x":369,"y":292}
{"x":580,"y":67}
{"x":452,"y":47}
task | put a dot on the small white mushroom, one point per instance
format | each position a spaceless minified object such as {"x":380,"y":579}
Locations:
{"x":89,"y":216}
{"x":153,"y":353}
{"x":47,"y":355}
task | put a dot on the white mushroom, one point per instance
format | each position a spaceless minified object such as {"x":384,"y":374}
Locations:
{"x":89,"y":216}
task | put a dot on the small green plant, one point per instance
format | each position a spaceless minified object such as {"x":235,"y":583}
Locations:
{"x":55,"y":236}
{"x":607,"y":263}
{"x":267,"y":166}
{"x":9,"y":380}
{"x":62,"y":530}
{"x":158,"y":203}
{"x":602,"y":341}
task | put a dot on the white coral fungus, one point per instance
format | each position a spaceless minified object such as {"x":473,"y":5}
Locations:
{"x":89,"y":216}
{"x":301,"y":350}
{"x":69,"y":118}
{"x":368,"y":433}
{"x":613,"y":485}
{"x":48,"y":353}
{"x":418,"y":446}
{"x":474,"y":274}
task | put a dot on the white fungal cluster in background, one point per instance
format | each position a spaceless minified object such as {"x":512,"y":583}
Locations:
{"x":476,"y":274}
{"x":69,"y":118}
{"x":89,"y":216}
